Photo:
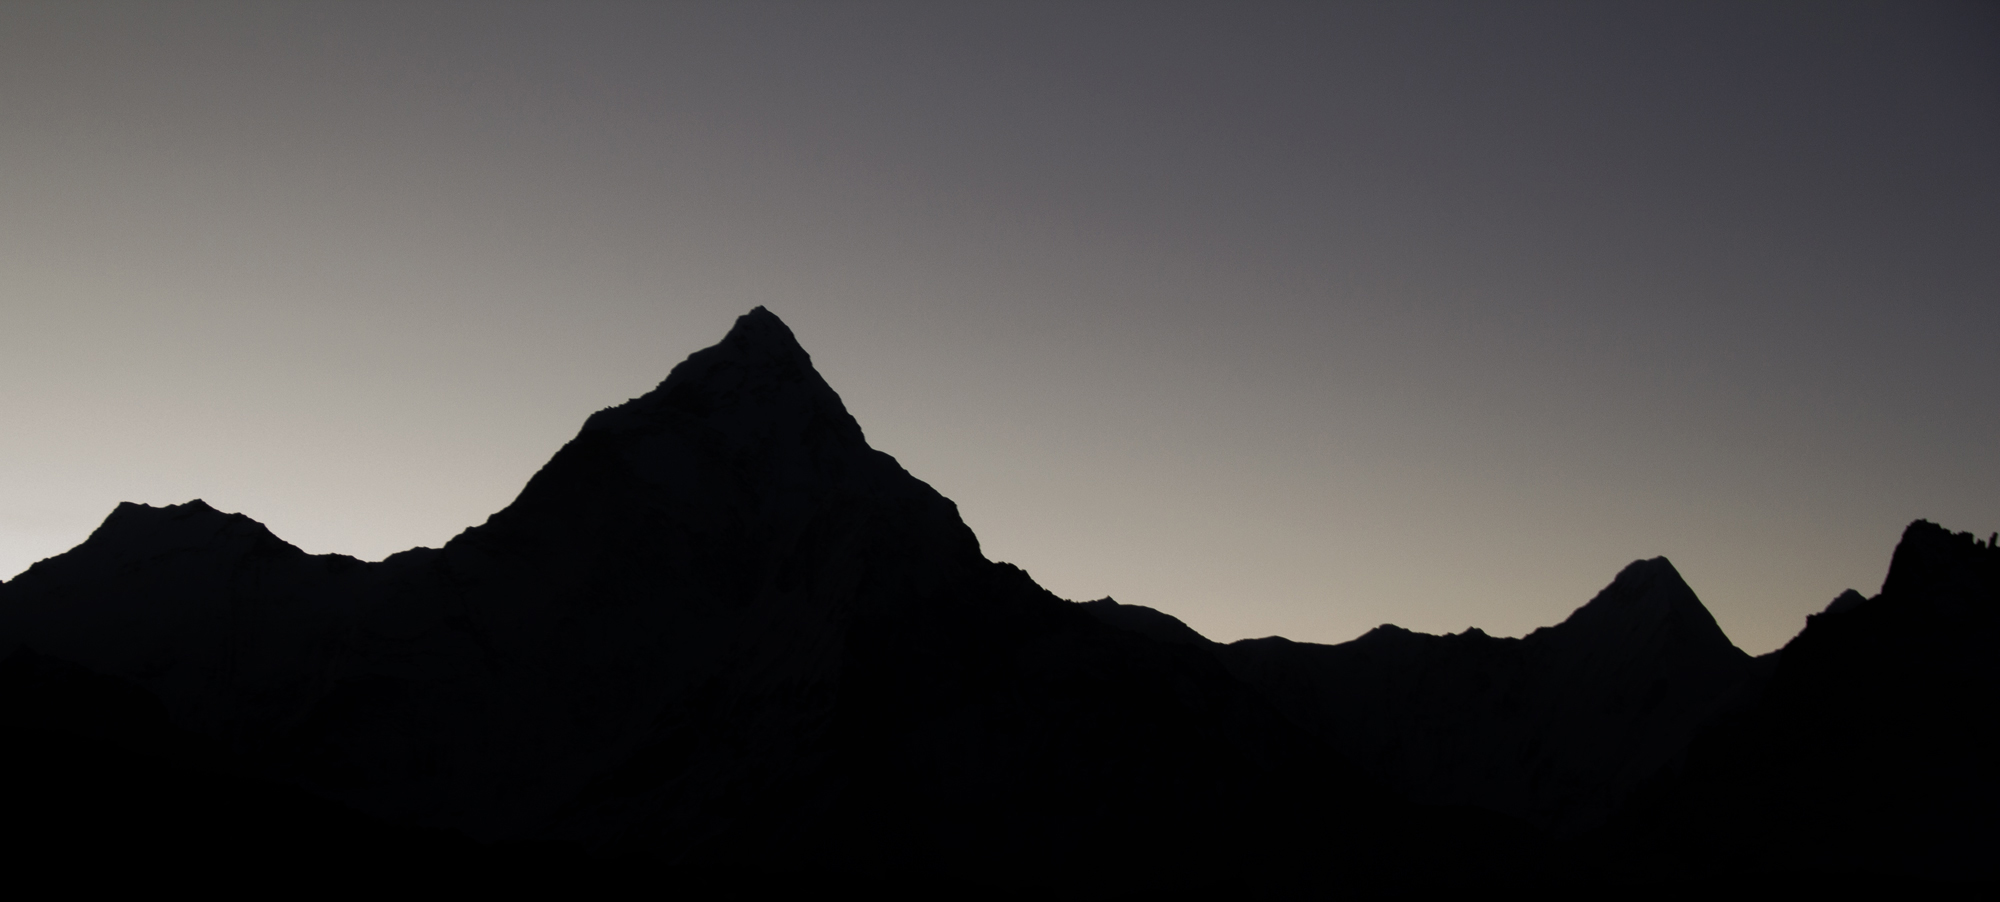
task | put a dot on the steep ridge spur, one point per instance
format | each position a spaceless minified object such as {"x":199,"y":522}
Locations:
{"x":719,"y":631}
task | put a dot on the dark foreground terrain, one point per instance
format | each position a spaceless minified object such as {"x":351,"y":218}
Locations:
{"x":719,"y":642}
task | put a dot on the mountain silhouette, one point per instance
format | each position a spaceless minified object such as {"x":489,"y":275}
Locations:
{"x":717,"y":630}
{"x":1871,"y":751}
{"x":1556,"y":728}
{"x":720,"y":637}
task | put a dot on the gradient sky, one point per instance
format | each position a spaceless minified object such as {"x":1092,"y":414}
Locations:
{"x":1282,"y":318}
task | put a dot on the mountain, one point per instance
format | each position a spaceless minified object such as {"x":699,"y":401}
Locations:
{"x":720,"y":638}
{"x":717,"y":631}
{"x":1556,"y":728}
{"x":1871,"y":752}
{"x":1858,"y":756}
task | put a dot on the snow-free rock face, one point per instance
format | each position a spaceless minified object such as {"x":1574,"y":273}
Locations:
{"x":1557,"y":727}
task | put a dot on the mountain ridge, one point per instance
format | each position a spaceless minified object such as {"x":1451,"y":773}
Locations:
{"x":718,"y":630}
{"x":716,"y":627}
{"x":1580,"y":713}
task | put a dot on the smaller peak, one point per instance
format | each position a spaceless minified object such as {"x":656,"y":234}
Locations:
{"x":195,"y":508}
{"x":135,"y":512}
{"x":138,"y":532}
{"x":1156,"y":625}
{"x":129,"y":516}
{"x":127,"y":509}
{"x":1388,"y":634}
{"x":1932,"y":560}
{"x":1846,"y":601}
{"x":1266,"y":642}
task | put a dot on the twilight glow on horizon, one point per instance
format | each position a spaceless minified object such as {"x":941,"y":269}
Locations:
{"x":1286,"y":319}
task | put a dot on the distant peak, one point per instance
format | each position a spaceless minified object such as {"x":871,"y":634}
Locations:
{"x":132,"y":511}
{"x":1846,"y":601}
{"x":1388,"y":635}
{"x":1155,"y":625}
{"x":1932,"y":560}
{"x":1648,"y":599}
{"x":134,"y":531}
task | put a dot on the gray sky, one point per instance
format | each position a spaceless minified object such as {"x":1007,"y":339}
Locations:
{"x":1285,"y":319}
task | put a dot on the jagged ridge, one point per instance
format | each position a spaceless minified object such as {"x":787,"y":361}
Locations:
{"x":716,"y":627}
{"x":718,"y":630}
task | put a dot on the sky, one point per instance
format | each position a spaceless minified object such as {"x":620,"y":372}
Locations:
{"x":1285,"y":319}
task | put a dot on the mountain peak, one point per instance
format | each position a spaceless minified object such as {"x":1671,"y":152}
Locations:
{"x":192,"y":524}
{"x":1933,"y":560}
{"x":1158,"y":626}
{"x":757,"y":338}
{"x":742,"y":434}
{"x":756,"y":378}
{"x":762,"y":328}
{"x":1845,"y":601}
{"x":1647,"y":603}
